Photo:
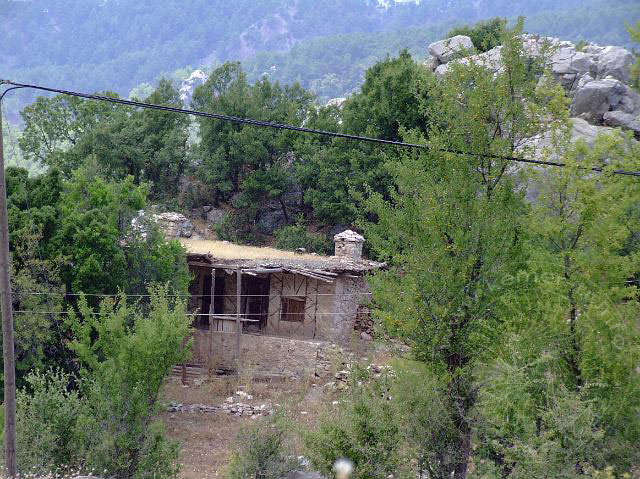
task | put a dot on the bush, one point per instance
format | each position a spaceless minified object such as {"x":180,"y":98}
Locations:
{"x":127,"y":356}
{"x":237,"y":228}
{"x":363,"y":430}
{"x":46,"y":422}
{"x":262,"y":451}
{"x":484,"y":35}
{"x":107,"y":424}
{"x":296,"y":236}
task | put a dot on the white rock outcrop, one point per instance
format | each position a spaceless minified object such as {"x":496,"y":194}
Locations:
{"x":450,"y":48}
{"x":174,"y":225}
{"x":188,"y":86}
{"x":594,"y":77}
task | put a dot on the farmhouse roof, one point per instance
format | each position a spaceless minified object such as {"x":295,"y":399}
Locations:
{"x":223,"y":254}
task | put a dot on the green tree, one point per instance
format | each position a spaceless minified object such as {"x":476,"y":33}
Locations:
{"x":251,"y":166}
{"x":387,"y":100}
{"x":634,"y":33}
{"x":452,"y":228}
{"x":150,"y":145}
{"x":96,"y":214}
{"x":53,"y":126}
{"x":564,"y":396}
{"x":335,"y":174}
{"x":34,"y":214}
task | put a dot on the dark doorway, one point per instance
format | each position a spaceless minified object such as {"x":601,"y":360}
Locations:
{"x":255,"y":302}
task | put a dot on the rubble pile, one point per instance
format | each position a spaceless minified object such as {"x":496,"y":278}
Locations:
{"x":233,"y":405}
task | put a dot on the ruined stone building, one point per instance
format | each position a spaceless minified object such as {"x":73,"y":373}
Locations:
{"x":277,"y":310}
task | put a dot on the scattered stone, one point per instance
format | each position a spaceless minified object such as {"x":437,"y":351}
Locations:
{"x":235,"y":409}
{"x":244,"y":395}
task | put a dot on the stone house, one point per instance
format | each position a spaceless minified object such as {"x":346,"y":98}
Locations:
{"x":277,"y":310}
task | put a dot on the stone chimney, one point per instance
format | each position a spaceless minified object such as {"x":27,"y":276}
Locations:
{"x":348,"y":245}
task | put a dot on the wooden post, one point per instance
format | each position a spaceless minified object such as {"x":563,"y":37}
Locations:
{"x":238,"y":306}
{"x":212,"y":310}
{"x":7,"y":327}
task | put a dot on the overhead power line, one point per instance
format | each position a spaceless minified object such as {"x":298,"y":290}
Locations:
{"x":280,"y":126}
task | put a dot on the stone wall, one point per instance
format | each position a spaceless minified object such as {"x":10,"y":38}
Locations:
{"x":338,"y":325}
{"x":277,"y":357}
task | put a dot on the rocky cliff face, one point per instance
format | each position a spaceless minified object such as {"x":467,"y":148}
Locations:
{"x":596,"y":78}
{"x":188,"y":86}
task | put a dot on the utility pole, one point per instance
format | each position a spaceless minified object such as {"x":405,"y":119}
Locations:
{"x":7,"y":327}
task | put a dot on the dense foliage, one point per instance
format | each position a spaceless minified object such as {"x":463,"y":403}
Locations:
{"x":108,"y":423}
{"x":71,"y":226}
{"x":513,"y":288}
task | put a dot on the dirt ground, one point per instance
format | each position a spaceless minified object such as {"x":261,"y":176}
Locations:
{"x":207,"y":438}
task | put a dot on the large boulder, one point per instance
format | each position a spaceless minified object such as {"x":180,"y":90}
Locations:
{"x":270,"y":221}
{"x":569,"y":61}
{"x":174,"y":225}
{"x":431,"y":63}
{"x":624,"y":120}
{"x":451,"y":48}
{"x":615,"y":62}
{"x":630,"y":102}
{"x":491,"y":59}
{"x":215,"y":216}
{"x":596,"y":98}
{"x":337,"y":102}
{"x":581,"y":129}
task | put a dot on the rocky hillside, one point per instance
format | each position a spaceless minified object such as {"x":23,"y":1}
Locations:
{"x":596,"y":78}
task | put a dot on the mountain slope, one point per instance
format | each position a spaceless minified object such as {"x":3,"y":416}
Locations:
{"x":98,"y":44}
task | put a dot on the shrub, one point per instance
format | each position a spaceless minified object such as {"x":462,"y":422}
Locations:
{"x":484,"y":35}
{"x":46,"y":418}
{"x":363,"y":430}
{"x":296,"y":236}
{"x":126,"y":356}
{"x":262,"y":451}
{"x":107,"y":423}
{"x":237,"y":228}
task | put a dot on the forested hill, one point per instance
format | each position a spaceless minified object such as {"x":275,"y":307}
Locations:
{"x":118,"y":44}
